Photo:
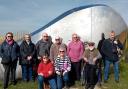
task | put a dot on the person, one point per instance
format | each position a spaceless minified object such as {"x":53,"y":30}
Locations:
{"x":46,"y":73}
{"x":28,"y":57}
{"x":54,"y":50}
{"x":43,"y":45}
{"x":62,"y":67}
{"x":100,"y":45}
{"x":9,"y":52}
{"x":103,"y":58}
{"x":109,"y":48}
{"x":91,"y":55}
{"x":75,"y":51}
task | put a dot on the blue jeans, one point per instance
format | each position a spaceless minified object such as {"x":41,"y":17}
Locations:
{"x":27,"y":72}
{"x":51,"y":81}
{"x":116,"y":69}
{"x":60,"y":80}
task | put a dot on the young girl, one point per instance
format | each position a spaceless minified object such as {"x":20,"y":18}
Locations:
{"x":90,"y":57}
{"x":46,"y":72}
{"x":62,"y":68}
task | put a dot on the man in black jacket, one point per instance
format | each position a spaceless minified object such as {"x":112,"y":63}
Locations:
{"x":28,"y":57}
{"x":110,"y":50}
{"x":9,"y":52}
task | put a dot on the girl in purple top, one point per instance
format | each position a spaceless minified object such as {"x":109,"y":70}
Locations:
{"x":75,"y":51}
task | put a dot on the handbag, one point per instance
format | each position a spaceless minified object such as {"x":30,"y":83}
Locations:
{"x":6,"y":60}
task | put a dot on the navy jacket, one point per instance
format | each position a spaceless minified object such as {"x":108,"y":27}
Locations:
{"x":9,"y":52}
{"x":109,"y":49}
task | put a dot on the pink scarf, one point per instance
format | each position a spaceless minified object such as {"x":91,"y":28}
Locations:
{"x":10,"y":42}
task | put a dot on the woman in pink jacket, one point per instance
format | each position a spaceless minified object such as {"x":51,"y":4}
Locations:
{"x":75,"y":51}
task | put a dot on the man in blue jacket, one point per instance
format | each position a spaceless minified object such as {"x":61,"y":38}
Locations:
{"x":110,"y":49}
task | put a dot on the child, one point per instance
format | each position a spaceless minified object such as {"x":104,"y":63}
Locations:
{"x":90,"y":57}
{"x":62,"y":68}
{"x":46,"y":72}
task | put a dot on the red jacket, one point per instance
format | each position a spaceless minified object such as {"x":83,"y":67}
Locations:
{"x":44,"y":68}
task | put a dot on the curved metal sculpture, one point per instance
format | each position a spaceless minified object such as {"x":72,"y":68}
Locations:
{"x":88,"y":21}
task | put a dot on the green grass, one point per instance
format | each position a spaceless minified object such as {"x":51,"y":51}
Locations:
{"x":123,"y":84}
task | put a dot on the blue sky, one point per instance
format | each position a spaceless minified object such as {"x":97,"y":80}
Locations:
{"x":30,"y":15}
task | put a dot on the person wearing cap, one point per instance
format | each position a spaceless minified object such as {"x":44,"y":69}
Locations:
{"x":28,"y":57}
{"x":43,"y":45}
{"x":75,"y":51}
{"x":46,"y":73}
{"x":90,"y":56}
{"x":62,"y":67}
{"x":110,"y":50}
{"x":10,"y":53}
{"x":54,"y":50}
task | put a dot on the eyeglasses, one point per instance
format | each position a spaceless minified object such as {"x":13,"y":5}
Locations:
{"x":45,"y":58}
{"x":74,"y":37}
{"x":45,"y":36}
{"x":62,"y":51}
{"x":9,"y":36}
{"x":57,"y":39}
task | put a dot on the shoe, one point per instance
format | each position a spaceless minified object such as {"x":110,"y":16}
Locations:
{"x":117,"y":81}
{"x":87,"y":86}
{"x":105,"y":81}
{"x":66,"y":87}
{"x":5,"y":88}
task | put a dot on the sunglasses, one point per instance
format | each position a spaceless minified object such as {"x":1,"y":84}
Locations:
{"x":62,"y":51}
{"x":9,"y":36}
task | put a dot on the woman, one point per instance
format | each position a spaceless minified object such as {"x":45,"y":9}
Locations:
{"x":9,"y":52}
{"x":62,"y":68}
{"x":75,"y":51}
{"x":28,"y":56}
{"x":46,"y":73}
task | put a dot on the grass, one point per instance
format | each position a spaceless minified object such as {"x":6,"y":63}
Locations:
{"x":123,"y":84}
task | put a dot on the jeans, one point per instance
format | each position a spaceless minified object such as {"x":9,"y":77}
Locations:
{"x":116,"y":69}
{"x":60,"y":80}
{"x":51,"y":81}
{"x":27,"y":72}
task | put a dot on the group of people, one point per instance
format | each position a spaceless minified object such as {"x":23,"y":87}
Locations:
{"x":58,"y":63}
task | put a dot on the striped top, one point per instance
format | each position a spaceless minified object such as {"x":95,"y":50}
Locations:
{"x":62,"y":65}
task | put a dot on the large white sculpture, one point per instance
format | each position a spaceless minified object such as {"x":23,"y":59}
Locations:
{"x":88,"y":21}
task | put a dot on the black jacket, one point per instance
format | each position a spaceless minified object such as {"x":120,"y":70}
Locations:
{"x":9,"y":53}
{"x":109,"y":49}
{"x":27,"y":50}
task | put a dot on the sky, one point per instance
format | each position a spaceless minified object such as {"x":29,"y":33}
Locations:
{"x":30,"y":15}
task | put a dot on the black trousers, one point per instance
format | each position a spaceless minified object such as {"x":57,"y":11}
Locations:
{"x":9,"y":69}
{"x":75,"y":70}
{"x":90,"y":75}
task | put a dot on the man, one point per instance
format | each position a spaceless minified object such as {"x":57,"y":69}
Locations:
{"x":9,"y":52}
{"x":110,"y":51}
{"x":28,"y":57}
{"x":43,"y":45}
{"x":91,"y":55}
{"x":100,"y":61}
{"x":54,"y":50}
